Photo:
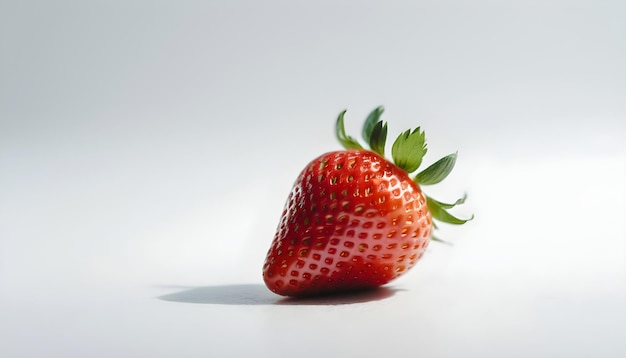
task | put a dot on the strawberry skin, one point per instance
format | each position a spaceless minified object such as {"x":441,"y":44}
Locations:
{"x":353,"y":220}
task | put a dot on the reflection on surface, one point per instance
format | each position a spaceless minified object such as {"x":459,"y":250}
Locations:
{"x":257,"y":294}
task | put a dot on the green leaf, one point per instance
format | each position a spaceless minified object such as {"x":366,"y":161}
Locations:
{"x":372,"y":119}
{"x":438,"y":171}
{"x":439,"y":213}
{"x":379,"y":138}
{"x":345,"y":140}
{"x":450,"y":206}
{"x":409,"y":149}
{"x":435,"y":238}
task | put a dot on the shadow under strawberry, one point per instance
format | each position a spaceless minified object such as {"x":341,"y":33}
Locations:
{"x":362,"y":296}
{"x":257,"y":294}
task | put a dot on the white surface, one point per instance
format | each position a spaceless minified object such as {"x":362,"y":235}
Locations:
{"x":144,"y":161}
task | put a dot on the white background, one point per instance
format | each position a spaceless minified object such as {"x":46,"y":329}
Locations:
{"x":147,"y":148}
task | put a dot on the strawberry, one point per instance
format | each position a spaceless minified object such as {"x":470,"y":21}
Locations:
{"x":355,"y":220}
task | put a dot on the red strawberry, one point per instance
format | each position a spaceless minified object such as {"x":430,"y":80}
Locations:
{"x":353,"y":219}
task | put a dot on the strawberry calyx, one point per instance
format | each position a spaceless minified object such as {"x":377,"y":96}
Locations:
{"x":407,"y":152}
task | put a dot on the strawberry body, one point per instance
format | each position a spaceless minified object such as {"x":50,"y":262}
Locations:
{"x":356,"y":220}
{"x":353,"y":220}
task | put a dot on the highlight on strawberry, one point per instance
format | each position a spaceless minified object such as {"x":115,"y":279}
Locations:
{"x":356,"y":220}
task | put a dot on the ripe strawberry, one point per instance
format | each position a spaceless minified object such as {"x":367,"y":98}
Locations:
{"x":353,"y":219}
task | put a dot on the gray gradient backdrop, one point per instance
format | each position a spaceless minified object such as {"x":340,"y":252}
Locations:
{"x":147,"y":147}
